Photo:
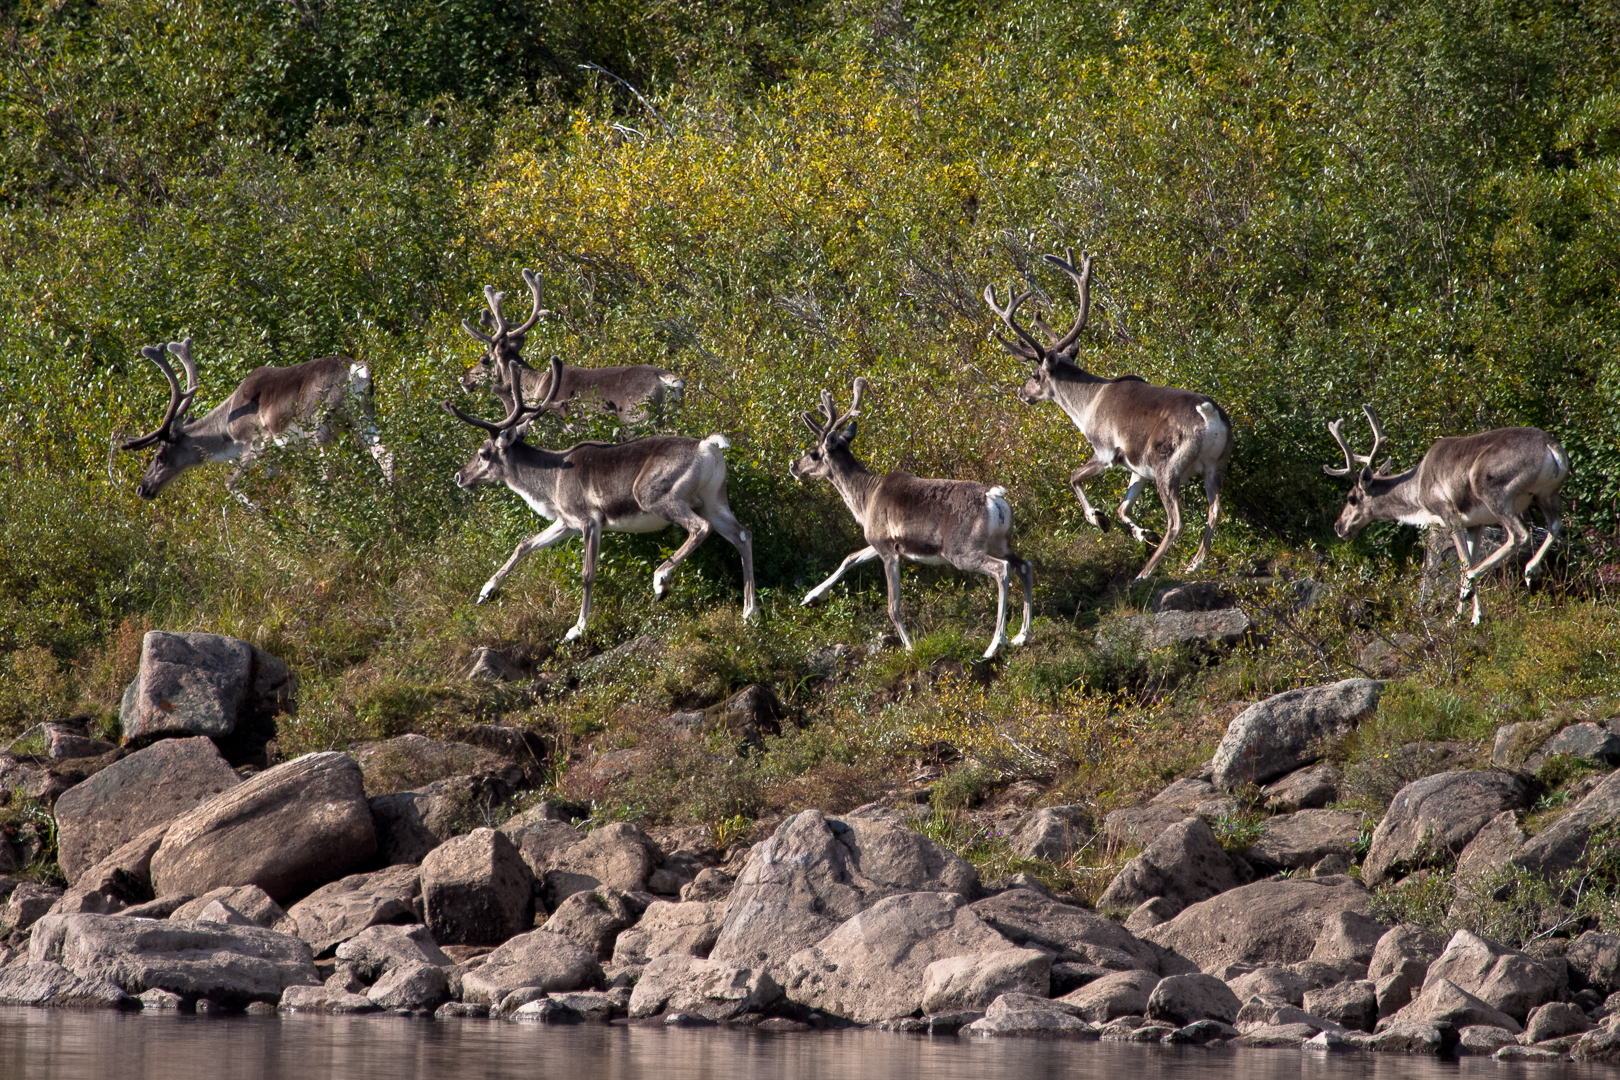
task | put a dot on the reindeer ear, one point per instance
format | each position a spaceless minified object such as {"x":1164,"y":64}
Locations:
{"x":848,"y":434}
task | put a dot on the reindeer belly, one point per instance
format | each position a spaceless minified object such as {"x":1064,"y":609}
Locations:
{"x":926,"y":560}
{"x":636,"y":523}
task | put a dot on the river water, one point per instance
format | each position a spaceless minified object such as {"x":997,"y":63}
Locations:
{"x":51,"y":1044}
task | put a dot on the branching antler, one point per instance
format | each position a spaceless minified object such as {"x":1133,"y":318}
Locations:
{"x":519,"y":411}
{"x":1359,"y":463}
{"x":1030,"y":349}
{"x":832,"y":419}
{"x":495,"y":320}
{"x":1082,"y":280}
{"x":179,"y":401}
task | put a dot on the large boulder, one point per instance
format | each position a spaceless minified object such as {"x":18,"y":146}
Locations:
{"x":1303,"y":839}
{"x":1029,"y":1016}
{"x":1588,"y":742}
{"x":618,"y":856}
{"x":706,"y":988}
{"x":51,"y":984}
{"x":873,"y":967}
{"x":541,"y":840}
{"x":205,"y":684}
{"x":1594,"y":963}
{"x":1352,"y":1004}
{"x":1497,"y":841}
{"x":1348,"y":938}
{"x":286,"y":830}
{"x":1185,"y":864}
{"x":337,"y":912}
{"x":1182,"y":999}
{"x":1563,"y":844}
{"x":1285,"y":732}
{"x":1271,"y":921}
{"x":687,"y":929}
{"x":1505,"y":979}
{"x":1286,"y":982}
{"x":816,"y":873}
{"x":1444,"y":1002}
{"x":596,"y":918}
{"x":1400,"y":962}
{"x":1434,"y":818}
{"x":148,"y":788}
{"x":226,"y":964}
{"x":1072,"y":934}
{"x":1052,"y":832}
{"x":970,"y":983}
{"x":476,"y":890}
{"x":412,"y":823}
{"x":540,"y":959}
{"x":120,"y":879}
{"x":1124,"y":993}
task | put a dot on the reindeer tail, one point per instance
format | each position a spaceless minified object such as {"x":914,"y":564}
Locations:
{"x":715,"y":444}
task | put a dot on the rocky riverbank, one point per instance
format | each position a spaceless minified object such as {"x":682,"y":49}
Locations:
{"x":201,"y":877}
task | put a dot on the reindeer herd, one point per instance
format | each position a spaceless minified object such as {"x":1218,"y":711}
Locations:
{"x":1156,"y":433}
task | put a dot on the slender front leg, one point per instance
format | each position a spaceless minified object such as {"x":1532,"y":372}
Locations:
{"x":1172,"y":506}
{"x":1548,"y":505}
{"x":697,"y":531}
{"x":727,"y":525}
{"x":1026,"y":570}
{"x":866,"y":554}
{"x":891,"y":569}
{"x":555,"y":533}
{"x":593,"y":541}
{"x":1132,"y":493}
{"x":1080,"y":476}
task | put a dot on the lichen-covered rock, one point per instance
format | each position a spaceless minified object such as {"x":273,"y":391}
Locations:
{"x":708,"y":988}
{"x":1434,"y":818}
{"x":539,"y":958}
{"x":477,"y":890}
{"x":337,"y":912}
{"x":1283,"y":733}
{"x":1269,"y":922}
{"x":205,"y":685}
{"x":287,"y":830}
{"x":685,"y":929}
{"x":1184,"y":865}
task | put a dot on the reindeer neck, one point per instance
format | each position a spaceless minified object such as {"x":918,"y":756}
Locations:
{"x":212,"y":430}
{"x":856,"y":483}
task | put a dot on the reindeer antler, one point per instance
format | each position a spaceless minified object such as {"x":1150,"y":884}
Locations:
{"x":179,"y":400}
{"x":519,"y":410}
{"x":1349,"y":458}
{"x":1082,"y":279}
{"x":532,"y":280}
{"x":832,"y":418}
{"x":1030,"y":349}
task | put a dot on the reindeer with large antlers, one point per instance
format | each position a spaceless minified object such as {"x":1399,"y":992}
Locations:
{"x":1462,"y":484}
{"x":1158,"y":433}
{"x":272,"y":406}
{"x":593,"y":487}
{"x":630,"y":393}
{"x":955,"y":522}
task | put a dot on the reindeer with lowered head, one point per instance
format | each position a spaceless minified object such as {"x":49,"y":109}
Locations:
{"x":640,"y":486}
{"x":631,"y":394}
{"x":1462,"y":483}
{"x":956,"y":522}
{"x":1157,"y":433}
{"x":272,"y":406}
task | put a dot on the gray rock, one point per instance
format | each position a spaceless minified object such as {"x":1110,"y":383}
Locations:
{"x":59,"y":740}
{"x":1054,"y":832}
{"x":1402,"y":945}
{"x":337,"y":912}
{"x":412,"y":823}
{"x":29,"y":902}
{"x":203,"y":684}
{"x":1310,"y":788}
{"x":815,"y":873}
{"x":1185,"y":864}
{"x":1444,"y":1002}
{"x":1483,"y":1040}
{"x":748,"y":715}
{"x":412,"y":762}
{"x":489,"y":665}
{"x":598,"y":1005}
{"x":1516,"y":745}
{"x":150,"y":787}
{"x":1589,"y":742}
{"x":322,"y":999}
{"x":1187,"y":792}
{"x":971,"y":983}
{"x":1594,"y":962}
{"x":1287,"y":983}
{"x":1348,"y":936}
{"x":422,"y":987}
{"x":226,"y":964}
{"x":1269,"y":922}
{"x":1201,"y":1033}
{"x":160,"y":999}
{"x":1178,"y":627}
{"x":287,"y":830}
{"x":617,"y":856}
{"x":541,"y":841}
{"x":249,"y":901}
{"x":1072,"y":934}
{"x":873,"y":966}
{"x":1497,"y":841}
{"x":1511,"y":981}
{"x":1528,"y":1053}
{"x":1602,"y":1045}
{"x":708,"y":988}
{"x":1193,"y":596}
{"x":685,"y":929}
{"x":51,"y":984}
{"x":1410,"y":1036}
{"x":119,"y":880}
{"x":1435,"y":817}
{"x":1150,"y":913}
{"x":161,"y":908}
{"x":1123,"y":993}
{"x":1139,"y":826}
{"x":1554,"y":1019}
{"x":378,"y":950}
{"x":1352,"y":1004}
{"x":477,"y":890}
{"x":1028,"y":1016}
{"x":539,"y":958}
{"x":1260,"y":1013}
{"x":1562,"y":844}
{"x":1182,"y":999}
{"x":595,"y":919}
{"x":1285,"y":732}
{"x":1295,"y":841}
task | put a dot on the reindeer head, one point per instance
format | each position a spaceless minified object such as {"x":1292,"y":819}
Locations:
{"x":1358,"y":509}
{"x":176,"y":452}
{"x":491,"y":463}
{"x":831,"y":435}
{"x":505,"y":343}
{"x":1038,"y":387}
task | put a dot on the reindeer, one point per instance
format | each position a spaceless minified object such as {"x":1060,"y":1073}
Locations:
{"x":631,"y":394}
{"x":273,"y":405}
{"x":1157,"y":433}
{"x":1462,"y":483}
{"x":639,"y":486}
{"x":957,"y":522}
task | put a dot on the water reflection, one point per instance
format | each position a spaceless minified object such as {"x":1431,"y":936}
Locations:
{"x":41,"y":1044}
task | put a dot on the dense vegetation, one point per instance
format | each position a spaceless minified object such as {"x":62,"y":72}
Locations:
{"x":1297,"y":208}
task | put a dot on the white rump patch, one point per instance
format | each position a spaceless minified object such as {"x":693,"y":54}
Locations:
{"x":995,"y":501}
{"x":715,"y":442}
{"x":359,"y":378}
{"x":672,"y":381}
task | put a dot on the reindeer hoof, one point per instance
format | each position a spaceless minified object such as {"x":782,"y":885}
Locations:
{"x":574,"y":633}
{"x":751,"y":614}
{"x":1100,"y":521}
{"x":1019,"y":640}
{"x":1147,"y":536}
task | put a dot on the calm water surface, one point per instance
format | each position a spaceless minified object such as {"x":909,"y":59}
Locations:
{"x":61,"y":1045}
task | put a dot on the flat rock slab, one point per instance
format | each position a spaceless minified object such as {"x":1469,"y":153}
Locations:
{"x":1276,"y":736}
{"x":551,"y":962}
{"x":1302,"y":839}
{"x":226,"y":964}
{"x":337,"y":912}
{"x":51,"y":984}
{"x":1435,"y":817}
{"x":148,"y":788}
{"x":1072,"y":934}
{"x":1269,"y":922}
{"x":287,"y":830}
{"x":707,"y":988}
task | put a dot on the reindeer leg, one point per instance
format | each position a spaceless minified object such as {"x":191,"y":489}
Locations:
{"x":1132,"y":493}
{"x":891,"y":569}
{"x":1464,"y":539}
{"x":235,"y":477}
{"x":1548,"y":505}
{"x":1517,"y":534}
{"x":593,"y":543}
{"x":726,"y":524}
{"x":1079,"y":477}
{"x":999,"y":571}
{"x":697,"y":531}
{"x":1026,"y":570}
{"x":1172,"y":505}
{"x":555,"y":533}
{"x":1212,"y":492}
{"x":866,"y":554}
